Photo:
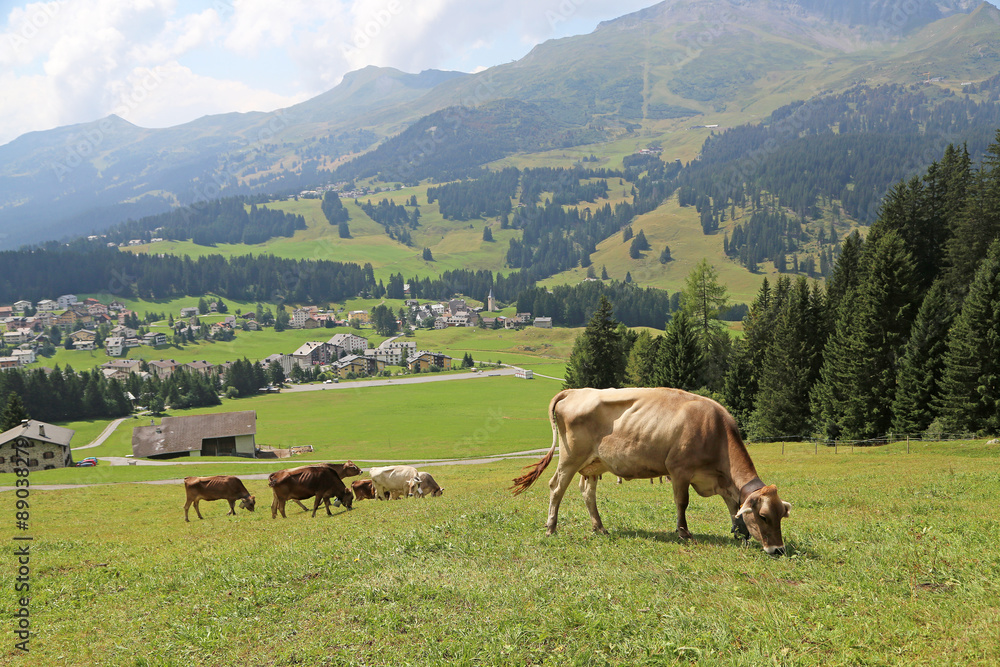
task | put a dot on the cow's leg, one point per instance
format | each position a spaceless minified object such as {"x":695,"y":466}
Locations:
{"x":232,"y":508}
{"x":186,"y":506}
{"x":557,"y":489}
{"x":299,"y":503}
{"x":588,"y":486}
{"x":739,"y":528}
{"x":681,"y":497}
{"x":317,"y":503}
{"x":196,"y":507}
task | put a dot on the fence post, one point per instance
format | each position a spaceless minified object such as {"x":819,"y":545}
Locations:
{"x":816,"y":446}
{"x":782,"y":448}
{"x":907,"y":444}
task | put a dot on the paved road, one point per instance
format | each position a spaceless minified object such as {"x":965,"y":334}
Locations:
{"x":99,"y":440}
{"x":389,"y":382}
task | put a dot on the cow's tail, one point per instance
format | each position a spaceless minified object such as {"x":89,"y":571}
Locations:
{"x":535,"y":471}
{"x":271,"y":479}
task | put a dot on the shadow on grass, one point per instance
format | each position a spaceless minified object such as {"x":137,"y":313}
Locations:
{"x":670,"y":537}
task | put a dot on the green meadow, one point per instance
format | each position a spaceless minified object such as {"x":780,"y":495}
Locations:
{"x":892,"y":560}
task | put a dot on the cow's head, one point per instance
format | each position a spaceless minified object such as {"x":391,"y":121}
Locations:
{"x":247,"y":503}
{"x":351,"y":470}
{"x":763,"y":511}
{"x":346,"y":498}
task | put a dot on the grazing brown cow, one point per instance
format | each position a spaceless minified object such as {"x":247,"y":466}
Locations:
{"x":219,"y":487}
{"x":363,"y":490}
{"x":309,"y":481}
{"x":343,"y":470}
{"x":644,"y":433}
{"x":423,"y":486}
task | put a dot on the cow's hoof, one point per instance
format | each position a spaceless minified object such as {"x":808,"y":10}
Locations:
{"x":683,"y":533}
{"x":601,"y":531}
{"x":550,"y":532}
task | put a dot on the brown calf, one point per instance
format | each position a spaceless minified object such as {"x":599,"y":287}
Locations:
{"x":219,"y":487}
{"x":363,"y":490}
{"x":343,"y":470}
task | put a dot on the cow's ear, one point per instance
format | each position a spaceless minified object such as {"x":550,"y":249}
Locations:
{"x":788,"y":507}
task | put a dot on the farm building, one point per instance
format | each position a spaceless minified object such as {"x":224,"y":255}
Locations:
{"x":47,"y":446}
{"x":223,"y":434}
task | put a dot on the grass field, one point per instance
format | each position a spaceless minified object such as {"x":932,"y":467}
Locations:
{"x":892,"y":561}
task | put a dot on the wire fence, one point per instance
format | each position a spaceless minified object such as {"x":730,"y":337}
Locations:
{"x":888,"y":439}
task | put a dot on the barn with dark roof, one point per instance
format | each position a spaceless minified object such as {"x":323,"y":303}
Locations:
{"x":222,"y":434}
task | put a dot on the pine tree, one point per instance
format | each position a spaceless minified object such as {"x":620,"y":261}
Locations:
{"x":854,"y":395}
{"x":922,"y":362}
{"x":970,"y":384}
{"x":13,"y":413}
{"x":679,"y":357}
{"x":791,"y":366}
{"x":428,"y":256}
{"x":597,"y":359}
{"x":639,"y":370}
{"x":703,"y":299}
{"x":487,"y":234}
{"x":604,"y":272}
{"x":665,"y":255}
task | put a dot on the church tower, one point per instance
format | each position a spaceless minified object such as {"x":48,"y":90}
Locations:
{"x":491,"y":303}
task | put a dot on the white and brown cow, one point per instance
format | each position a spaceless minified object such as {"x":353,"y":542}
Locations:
{"x":392,"y":482}
{"x":642,"y":433}
{"x":424,"y":486}
{"x":219,"y":487}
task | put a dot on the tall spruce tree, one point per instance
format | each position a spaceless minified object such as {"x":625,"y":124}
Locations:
{"x":598,"y":357}
{"x":702,"y":301}
{"x":970,"y":384}
{"x":853,"y":397}
{"x":921,"y":363}
{"x":791,"y":365}
{"x":641,"y":364}
{"x":679,"y":357}
{"x":13,"y":413}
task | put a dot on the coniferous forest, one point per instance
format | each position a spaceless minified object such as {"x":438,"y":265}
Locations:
{"x":905,"y":336}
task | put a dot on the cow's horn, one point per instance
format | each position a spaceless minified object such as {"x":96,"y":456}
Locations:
{"x":746,"y":509}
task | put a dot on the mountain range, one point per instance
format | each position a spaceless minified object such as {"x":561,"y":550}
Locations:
{"x":646,"y":75}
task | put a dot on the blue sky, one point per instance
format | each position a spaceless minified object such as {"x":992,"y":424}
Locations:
{"x":158,"y":63}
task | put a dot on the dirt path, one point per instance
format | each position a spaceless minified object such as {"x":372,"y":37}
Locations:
{"x":99,"y":440}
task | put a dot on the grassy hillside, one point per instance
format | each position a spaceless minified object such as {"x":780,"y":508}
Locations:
{"x":904,"y":575}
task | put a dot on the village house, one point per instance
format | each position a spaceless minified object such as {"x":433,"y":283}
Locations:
{"x":163,"y":368}
{"x":154,"y":338}
{"x":47,"y":305}
{"x":21,"y":306}
{"x":286,"y":361}
{"x":24,"y":355}
{"x":83,"y":335}
{"x":359,"y":365}
{"x":6,"y":312}
{"x":543,"y":322}
{"x":312,"y":353}
{"x":116,"y":306}
{"x":124,"y":331}
{"x":440,"y":323}
{"x":190,"y":311}
{"x":66,"y":300}
{"x":9,"y":362}
{"x":349,"y":342}
{"x":114,"y":346}
{"x":423,"y":360}
{"x":202,"y":367}
{"x":359,"y":315}
{"x":301,"y":315}
{"x":47,"y":446}
{"x":120,"y":369}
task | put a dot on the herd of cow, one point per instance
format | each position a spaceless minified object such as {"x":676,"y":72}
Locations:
{"x":634,"y":433}
{"x":322,"y":481}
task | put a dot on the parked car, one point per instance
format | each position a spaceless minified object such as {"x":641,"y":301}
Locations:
{"x":87,"y":462}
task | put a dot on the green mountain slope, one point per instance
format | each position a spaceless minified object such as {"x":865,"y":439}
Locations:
{"x":651,"y":73}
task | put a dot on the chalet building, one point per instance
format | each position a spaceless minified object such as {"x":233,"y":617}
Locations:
{"x":312,"y":353}
{"x":9,"y":362}
{"x":21,"y":306}
{"x":350,"y":342}
{"x":154,"y":338}
{"x":543,"y":322}
{"x":163,"y":368}
{"x":422,"y":361}
{"x":47,"y":305}
{"x":47,"y":446}
{"x":223,"y":434}
{"x":202,"y":367}
{"x":66,"y":300}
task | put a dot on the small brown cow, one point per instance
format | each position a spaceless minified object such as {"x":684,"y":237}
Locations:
{"x":219,"y":487}
{"x":343,"y":470}
{"x":319,"y":481}
{"x":424,"y":486}
{"x":363,"y":490}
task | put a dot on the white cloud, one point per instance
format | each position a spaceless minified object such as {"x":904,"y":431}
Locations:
{"x":71,"y":61}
